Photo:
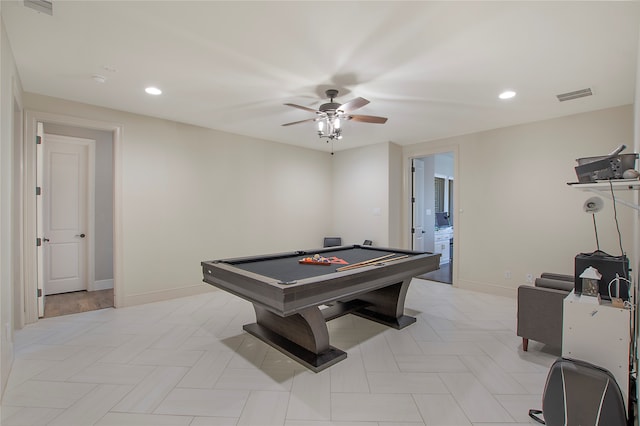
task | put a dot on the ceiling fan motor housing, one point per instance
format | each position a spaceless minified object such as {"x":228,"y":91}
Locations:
{"x":330,"y":106}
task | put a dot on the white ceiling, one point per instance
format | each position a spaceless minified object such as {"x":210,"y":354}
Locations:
{"x":433,"y":68}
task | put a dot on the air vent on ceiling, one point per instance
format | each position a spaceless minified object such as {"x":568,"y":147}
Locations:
{"x":44,"y":6}
{"x":574,"y":95}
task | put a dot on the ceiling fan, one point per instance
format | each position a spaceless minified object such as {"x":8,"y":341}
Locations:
{"x":330,"y":115}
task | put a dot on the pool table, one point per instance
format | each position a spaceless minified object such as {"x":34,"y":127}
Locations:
{"x":293,"y":301}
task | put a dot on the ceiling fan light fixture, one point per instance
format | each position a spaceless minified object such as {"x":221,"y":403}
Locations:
{"x":330,"y":115}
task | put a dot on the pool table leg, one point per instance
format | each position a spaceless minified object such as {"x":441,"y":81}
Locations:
{"x":387,"y":305}
{"x":302,"y":336}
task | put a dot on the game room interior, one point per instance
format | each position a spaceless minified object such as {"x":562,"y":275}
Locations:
{"x":227,"y":164}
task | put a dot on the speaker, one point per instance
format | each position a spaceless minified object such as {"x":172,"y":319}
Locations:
{"x":608,"y":266}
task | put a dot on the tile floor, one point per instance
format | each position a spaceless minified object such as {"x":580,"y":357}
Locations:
{"x":188,"y":362}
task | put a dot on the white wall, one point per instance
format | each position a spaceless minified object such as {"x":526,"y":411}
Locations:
{"x":516,"y":212}
{"x":191,"y":194}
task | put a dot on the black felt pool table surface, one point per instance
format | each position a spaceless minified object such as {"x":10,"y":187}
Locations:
{"x":286,"y":267}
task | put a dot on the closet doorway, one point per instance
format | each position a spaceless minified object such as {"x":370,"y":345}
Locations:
{"x":432,"y":190}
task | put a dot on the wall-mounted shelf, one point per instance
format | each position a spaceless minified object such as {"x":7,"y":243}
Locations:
{"x":604,"y":188}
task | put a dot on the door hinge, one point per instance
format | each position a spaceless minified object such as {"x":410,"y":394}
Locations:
{"x":38,"y":242}
{"x":413,"y":169}
{"x":38,"y":190}
{"x":39,"y":292}
{"x":413,"y":199}
{"x":413,"y":230}
{"x":38,"y":140}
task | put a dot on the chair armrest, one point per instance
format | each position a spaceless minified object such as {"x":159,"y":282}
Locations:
{"x":566,"y":286}
{"x":540,"y":314}
{"x":554,"y":276}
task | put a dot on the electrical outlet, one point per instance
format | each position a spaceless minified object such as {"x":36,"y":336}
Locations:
{"x":507,"y":275}
{"x":530,"y":278}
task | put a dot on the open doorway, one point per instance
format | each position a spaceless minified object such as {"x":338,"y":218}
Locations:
{"x":111,"y":133}
{"x":432,"y":179}
{"x":78,"y":186}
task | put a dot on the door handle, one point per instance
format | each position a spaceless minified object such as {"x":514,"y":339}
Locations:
{"x":81,"y":235}
{"x":46,"y":240}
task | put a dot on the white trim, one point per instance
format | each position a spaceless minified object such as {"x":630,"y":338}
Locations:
{"x":100,"y":285}
{"x":30,"y":259}
{"x":170,"y":294}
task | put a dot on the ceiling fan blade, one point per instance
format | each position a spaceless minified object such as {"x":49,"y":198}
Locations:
{"x":368,"y":119}
{"x":302,"y":107}
{"x":353,"y":104}
{"x":298,"y":122}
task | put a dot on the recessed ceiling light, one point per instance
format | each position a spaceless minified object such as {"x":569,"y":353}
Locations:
{"x":153,"y":91}
{"x":507,"y":94}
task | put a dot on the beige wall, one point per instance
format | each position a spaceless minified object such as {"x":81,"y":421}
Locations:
{"x":191,"y":194}
{"x":516,"y":213}
{"x":10,"y":220}
{"x":361,"y":194}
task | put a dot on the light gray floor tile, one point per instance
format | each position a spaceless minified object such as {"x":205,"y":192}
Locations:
{"x":149,"y":393}
{"x":476,"y":401}
{"x":349,"y":375}
{"x":255,"y":379}
{"x":129,"y":350}
{"x":370,"y":407}
{"x":21,"y":416}
{"x":430,"y":363}
{"x":264,"y":408}
{"x":128,"y":419}
{"x":441,"y":410}
{"x":25,"y":369}
{"x":112,"y":374}
{"x":450,"y":348}
{"x":518,"y":405}
{"x":377,"y":355}
{"x":43,"y":394}
{"x":204,"y":402}
{"x":206,"y":372}
{"x":93,"y":406}
{"x":310,"y":397}
{"x":492,"y":377}
{"x":167,"y":357}
{"x":402,"y":342}
{"x":406,"y":383}
{"x":335,"y":423}
{"x":63,"y":370}
{"x":188,"y":361}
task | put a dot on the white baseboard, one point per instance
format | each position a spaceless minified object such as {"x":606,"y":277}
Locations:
{"x":162,"y":295}
{"x":100,"y":285}
{"x":496,"y":290}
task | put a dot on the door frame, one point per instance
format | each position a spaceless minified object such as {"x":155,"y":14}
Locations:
{"x":426,"y":151}
{"x":30,"y":230}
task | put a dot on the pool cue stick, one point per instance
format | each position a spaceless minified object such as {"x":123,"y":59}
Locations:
{"x":364,"y":263}
{"x":395,"y":258}
{"x":369,"y":263}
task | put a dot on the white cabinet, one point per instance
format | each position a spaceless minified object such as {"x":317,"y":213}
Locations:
{"x":442,"y":240}
{"x":599,"y":334}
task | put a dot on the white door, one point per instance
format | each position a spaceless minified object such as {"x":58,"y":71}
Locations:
{"x":418,"y":204}
{"x":65,"y":199}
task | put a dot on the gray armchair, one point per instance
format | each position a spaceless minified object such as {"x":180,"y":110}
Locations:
{"x":540,"y":309}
